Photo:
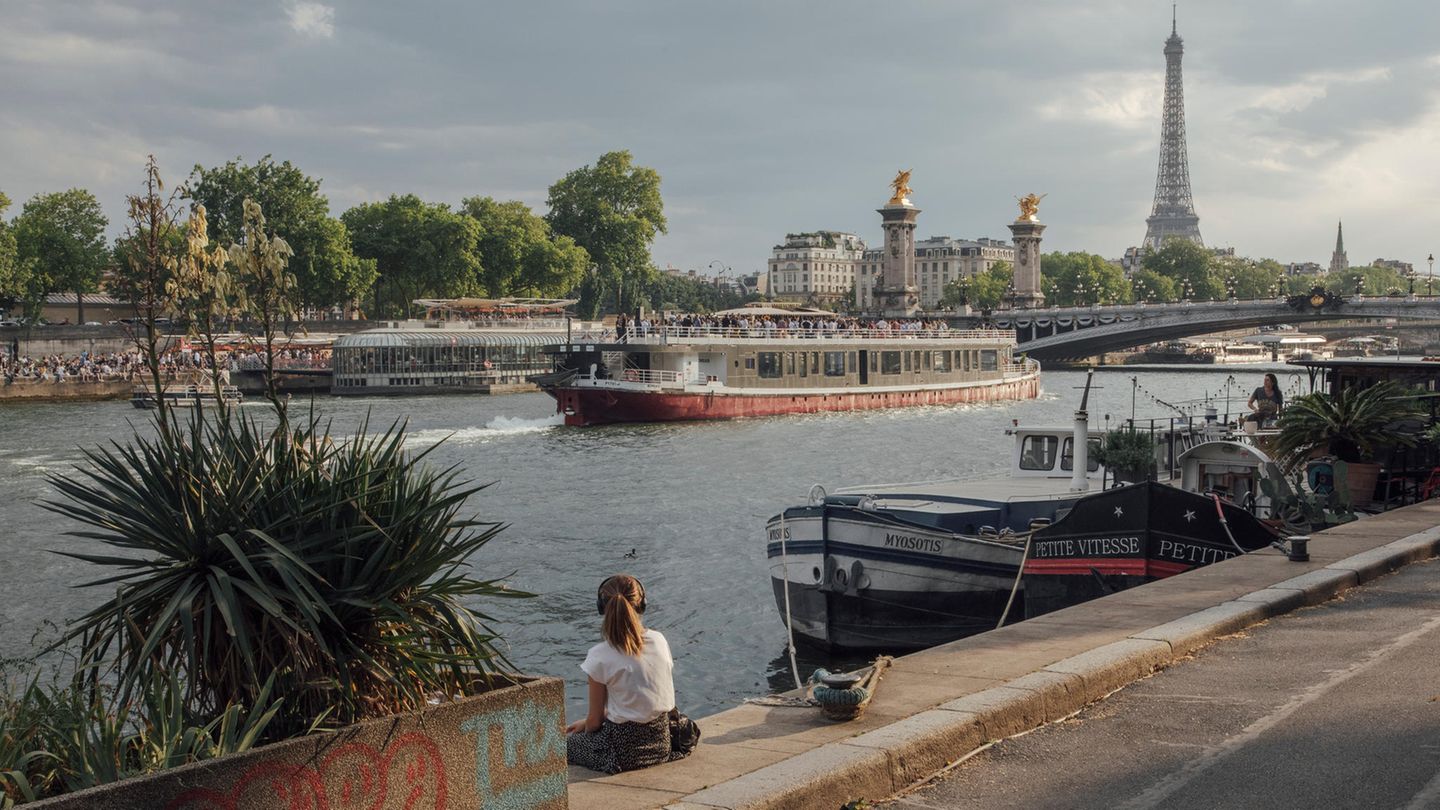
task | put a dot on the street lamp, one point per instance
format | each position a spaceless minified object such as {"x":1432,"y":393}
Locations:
{"x":1430,"y":277}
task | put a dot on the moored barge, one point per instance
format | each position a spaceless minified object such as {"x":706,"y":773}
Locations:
{"x":672,"y":373}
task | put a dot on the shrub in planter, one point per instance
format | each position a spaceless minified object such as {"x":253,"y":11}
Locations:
{"x":1128,"y":454}
{"x":244,"y":553}
{"x":1353,"y":426}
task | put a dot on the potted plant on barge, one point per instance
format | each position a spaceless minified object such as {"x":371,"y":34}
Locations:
{"x":1354,"y":426}
{"x":1128,"y":454}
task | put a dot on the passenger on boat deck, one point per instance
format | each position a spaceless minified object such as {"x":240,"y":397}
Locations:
{"x":632,"y":688}
{"x":1266,"y":401}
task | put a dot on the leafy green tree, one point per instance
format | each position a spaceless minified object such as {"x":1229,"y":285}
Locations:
{"x":1081,"y":279}
{"x":666,"y":291}
{"x":1188,"y":265}
{"x":519,"y":252}
{"x":14,"y":275}
{"x":326,"y":269}
{"x":420,"y":250}
{"x":1247,"y":278}
{"x":1151,"y":287}
{"x":62,"y":237}
{"x":1368,"y":280}
{"x":614,"y":211}
{"x":985,"y":290}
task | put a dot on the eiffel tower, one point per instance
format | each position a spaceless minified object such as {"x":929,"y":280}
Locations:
{"x":1174,"y":211}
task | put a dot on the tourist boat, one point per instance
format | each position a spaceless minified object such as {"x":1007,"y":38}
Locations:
{"x":670,"y":372}
{"x":184,"y":395}
{"x":1242,"y":353}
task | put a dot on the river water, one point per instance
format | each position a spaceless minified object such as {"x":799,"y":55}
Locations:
{"x":689,"y":499}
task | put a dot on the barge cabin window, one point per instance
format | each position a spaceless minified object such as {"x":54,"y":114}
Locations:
{"x":1038,"y":452}
{"x":889,"y":362}
{"x":1092,"y":456}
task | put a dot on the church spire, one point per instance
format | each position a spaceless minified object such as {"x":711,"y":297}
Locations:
{"x":1338,"y":260}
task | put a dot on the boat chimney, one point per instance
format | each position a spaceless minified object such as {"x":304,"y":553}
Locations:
{"x":1080,"y":445}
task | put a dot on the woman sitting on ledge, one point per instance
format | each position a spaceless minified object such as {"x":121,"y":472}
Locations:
{"x":631,"y":688}
{"x":1265,"y":402}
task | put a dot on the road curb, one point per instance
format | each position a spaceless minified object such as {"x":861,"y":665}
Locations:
{"x":883,"y":761}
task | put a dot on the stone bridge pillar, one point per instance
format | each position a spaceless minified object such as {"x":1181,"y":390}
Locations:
{"x":897,"y":296}
{"x":1026,"y":231}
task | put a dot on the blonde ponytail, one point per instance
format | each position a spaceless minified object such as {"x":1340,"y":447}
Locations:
{"x":621,"y":594}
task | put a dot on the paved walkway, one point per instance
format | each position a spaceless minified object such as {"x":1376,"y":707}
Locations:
{"x":936,"y":706}
{"x":1332,"y":706}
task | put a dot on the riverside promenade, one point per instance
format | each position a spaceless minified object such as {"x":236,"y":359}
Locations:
{"x":935,"y":707}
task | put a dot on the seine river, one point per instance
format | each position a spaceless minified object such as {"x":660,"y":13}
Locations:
{"x":690,"y":499}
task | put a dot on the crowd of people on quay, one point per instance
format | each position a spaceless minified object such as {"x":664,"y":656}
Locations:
{"x":789,"y":325}
{"x":129,"y":366}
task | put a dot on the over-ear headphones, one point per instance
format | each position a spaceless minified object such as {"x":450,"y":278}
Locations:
{"x":600,"y":596}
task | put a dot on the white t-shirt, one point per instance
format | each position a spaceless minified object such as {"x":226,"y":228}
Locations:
{"x":639,"y":688}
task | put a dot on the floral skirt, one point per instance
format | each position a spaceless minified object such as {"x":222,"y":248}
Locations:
{"x":620,"y":747}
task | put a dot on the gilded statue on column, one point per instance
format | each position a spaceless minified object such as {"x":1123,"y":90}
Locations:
{"x":1029,"y":206}
{"x":901,"y":184}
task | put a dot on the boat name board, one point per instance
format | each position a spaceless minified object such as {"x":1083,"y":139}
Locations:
{"x":778,"y":534}
{"x":912,"y":543}
{"x":1128,"y":546}
{"x":1193,"y":553}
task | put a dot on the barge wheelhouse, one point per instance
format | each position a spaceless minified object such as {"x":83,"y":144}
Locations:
{"x":694,"y":372}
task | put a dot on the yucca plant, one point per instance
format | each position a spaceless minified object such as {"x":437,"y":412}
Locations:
{"x":1353,"y":425}
{"x":243,"y":552}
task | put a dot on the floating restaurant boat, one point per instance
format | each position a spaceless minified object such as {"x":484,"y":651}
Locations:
{"x":463,"y":345}
{"x":672,"y":372}
{"x":1179,"y":351}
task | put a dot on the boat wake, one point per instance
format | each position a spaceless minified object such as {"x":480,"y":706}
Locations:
{"x":498,"y":427}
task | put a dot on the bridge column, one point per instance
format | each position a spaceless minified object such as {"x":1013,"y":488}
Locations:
{"x":1026,"y":231}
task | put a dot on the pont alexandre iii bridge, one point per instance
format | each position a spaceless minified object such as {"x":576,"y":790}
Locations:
{"x":1073,"y":333}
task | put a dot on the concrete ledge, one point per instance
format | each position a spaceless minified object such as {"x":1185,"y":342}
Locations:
{"x":924,"y":743}
{"x":1192,"y":632}
{"x":1002,"y":711}
{"x":1062,"y":692}
{"x":1105,"y":669}
{"x":1320,"y":586}
{"x":828,"y":776}
{"x":1275,"y":600}
{"x":1377,"y":562}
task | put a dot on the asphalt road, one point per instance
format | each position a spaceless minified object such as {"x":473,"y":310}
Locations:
{"x":1335,"y":706}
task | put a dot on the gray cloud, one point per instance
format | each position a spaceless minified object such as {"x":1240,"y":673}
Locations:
{"x":762,"y":117}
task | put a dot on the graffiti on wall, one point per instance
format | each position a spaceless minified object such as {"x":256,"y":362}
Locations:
{"x":513,"y":746}
{"x":407,"y":773}
{"x":519,"y":756}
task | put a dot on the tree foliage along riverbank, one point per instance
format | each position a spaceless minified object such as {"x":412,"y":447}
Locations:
{"x":258,"y":577}
{"x":593,"y":242}
{"x":1179,"y":270}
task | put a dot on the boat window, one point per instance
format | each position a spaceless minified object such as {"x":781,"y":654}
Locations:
{"x":907,"y":360}
{"x":834,"y":364}
{"x":988,"y":360}
{"x":852,"y":362}
{"x":750,"y":363}
{"x":814,"y":362}
{"x":874,"y":362}
{"x":1092,"y":456}
{"x":804,"y":367}
{"x":1038,"y":452}
{"x":790,"y":363}
{"x":769,"y":365}
{"x":927,"y":361}
{"x":889,"y":362}
{"x":942,"y":361}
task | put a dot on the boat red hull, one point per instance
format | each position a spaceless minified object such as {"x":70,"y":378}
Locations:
{"x":598,"y":406}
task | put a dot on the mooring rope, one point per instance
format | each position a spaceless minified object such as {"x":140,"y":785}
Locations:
{"x":1015,"y":587}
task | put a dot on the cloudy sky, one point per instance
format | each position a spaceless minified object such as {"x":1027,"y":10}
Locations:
{"x":762,"y":117}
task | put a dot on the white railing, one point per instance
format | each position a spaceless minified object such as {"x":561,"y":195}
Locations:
{"x":644,"y":376}
{"x":1020,"y":368}
{"x":669,"y":334}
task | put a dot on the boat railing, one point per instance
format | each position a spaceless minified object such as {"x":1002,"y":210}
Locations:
{"x":1020,"y":368}
{"x":645,"y":376}
{"x":659,"y":335}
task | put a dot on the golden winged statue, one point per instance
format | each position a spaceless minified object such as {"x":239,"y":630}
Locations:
{"x":1030,"y":206}
{"x":901,"y":184}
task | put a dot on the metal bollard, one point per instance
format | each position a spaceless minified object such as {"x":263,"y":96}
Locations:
{"x":1299,"y":548}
